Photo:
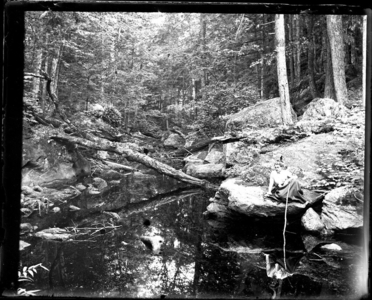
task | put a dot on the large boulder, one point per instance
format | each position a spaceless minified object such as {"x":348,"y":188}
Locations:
{"x":262,"y":114}
{"x":174,"y":140}
{"x":312,"y":159}
{"x":342,"y":209}
{"x":324,"y":108}
{"x":236,"y":195}
{"x":205,"y":170}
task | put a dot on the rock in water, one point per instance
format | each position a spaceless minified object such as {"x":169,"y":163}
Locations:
{"x":334,"y":247}
{"x":311,"y":221}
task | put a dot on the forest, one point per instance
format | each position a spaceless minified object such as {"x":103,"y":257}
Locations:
{"x":192,"y":70}
{"x":148,"y":144}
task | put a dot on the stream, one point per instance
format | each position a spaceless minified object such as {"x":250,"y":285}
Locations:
{"x":199,"y":257}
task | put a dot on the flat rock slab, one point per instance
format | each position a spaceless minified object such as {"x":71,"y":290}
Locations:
{"x":235,"y":194}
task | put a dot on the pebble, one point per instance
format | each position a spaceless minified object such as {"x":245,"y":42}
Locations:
{"x":38,"y":188}
{"x":81,"y":187}
{"x":74,"y":208}
{"x":56,"y":209}
{"x":26,"y":190}
{"x":334,"y":247}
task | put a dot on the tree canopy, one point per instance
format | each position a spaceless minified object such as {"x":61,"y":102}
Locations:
{"x":192,"y":69}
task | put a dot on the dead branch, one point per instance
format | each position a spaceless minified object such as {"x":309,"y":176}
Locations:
{"x":118,"y":166}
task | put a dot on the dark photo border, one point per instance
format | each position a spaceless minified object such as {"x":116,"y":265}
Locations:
{"x":12,"y":87}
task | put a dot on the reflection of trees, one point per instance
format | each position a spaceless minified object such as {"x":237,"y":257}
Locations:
{"x":217,"y":272}
{"x":212,"y":273}
{"x":105,"y":265}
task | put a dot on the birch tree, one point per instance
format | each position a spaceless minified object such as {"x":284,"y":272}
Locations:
{"x":282,"y":70}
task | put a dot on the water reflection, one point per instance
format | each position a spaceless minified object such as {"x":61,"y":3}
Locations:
{"x":199,"y":257}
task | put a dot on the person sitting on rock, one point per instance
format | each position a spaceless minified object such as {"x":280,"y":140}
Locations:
{"x":284,"y":184}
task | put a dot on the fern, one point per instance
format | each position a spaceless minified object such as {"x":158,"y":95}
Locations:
{"x":27,"y":274}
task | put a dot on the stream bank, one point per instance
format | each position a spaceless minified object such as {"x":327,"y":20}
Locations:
{"x":122,"y":204}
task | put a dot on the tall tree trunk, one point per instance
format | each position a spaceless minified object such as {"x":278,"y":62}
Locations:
{"x":102,"y":87}
{"x":46,"y":67}
{"x":36,"y":80}
{"x":203,"y":29}
{"x":310,"y":57}
{"x":59,"y":63}
{"x":314,"y":50}
{"x":282,"y":70}
{"x":193,"y":89}
{"x":55,"y":69}
{"x":183,"y":91}
{"x":323,"y":52}
{"x":335,"y":34}
{"x":44,"y":91}
{"x":194,"y":97}
{"x":54,"y":83}
{"x":329,"y":87}
{"x":353,"y":55}
{"x":297,"y":22}
{"x":126,"y":121}
{"x":263,"y":64}
{"x":114,"y":56}
{"x":364,"y":66}
{"x":291,"y":54}
{"x":258,"y":71}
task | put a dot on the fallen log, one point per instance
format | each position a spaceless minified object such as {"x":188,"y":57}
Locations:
{"x":123,"y":149}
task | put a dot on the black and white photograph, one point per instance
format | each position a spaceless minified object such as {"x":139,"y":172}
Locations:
{"x":204,"y":152}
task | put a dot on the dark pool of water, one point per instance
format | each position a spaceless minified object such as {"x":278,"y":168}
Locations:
{"x":199,"y":257}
